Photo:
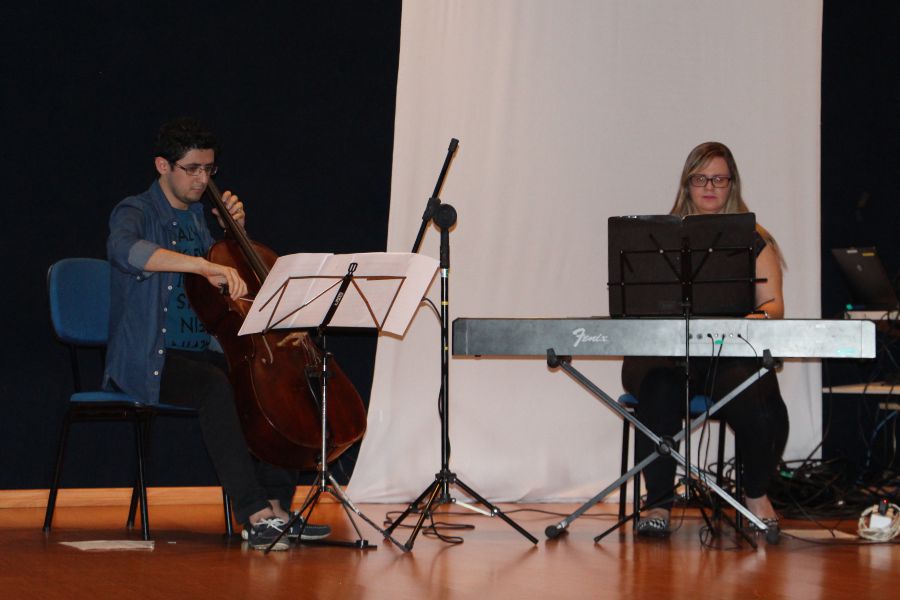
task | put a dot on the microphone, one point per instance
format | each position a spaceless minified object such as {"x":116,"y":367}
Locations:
{"x":445,"y":217}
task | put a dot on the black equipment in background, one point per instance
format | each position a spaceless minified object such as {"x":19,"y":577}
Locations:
{"x":865,"y":276}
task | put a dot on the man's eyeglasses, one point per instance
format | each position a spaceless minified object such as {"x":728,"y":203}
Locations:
{"x":718,"y":181}
{"x":194,"y":169}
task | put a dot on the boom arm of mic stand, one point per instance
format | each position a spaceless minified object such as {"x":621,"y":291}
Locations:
{"x":434,"y":202}
{"x":430,"y":208}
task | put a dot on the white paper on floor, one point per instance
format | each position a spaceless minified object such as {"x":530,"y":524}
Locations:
{"x":94,"y":545}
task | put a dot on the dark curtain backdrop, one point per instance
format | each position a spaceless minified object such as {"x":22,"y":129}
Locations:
{"x":302,"y":97}
{"x":860,"y":206}
{"x":860,"y":137}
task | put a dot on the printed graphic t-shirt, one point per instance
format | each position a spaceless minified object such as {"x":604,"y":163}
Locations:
{"x":184,"y":331}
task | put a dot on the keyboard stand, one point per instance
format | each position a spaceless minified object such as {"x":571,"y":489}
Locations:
{"x":665,"y":446}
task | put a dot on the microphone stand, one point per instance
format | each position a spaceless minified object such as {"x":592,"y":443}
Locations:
{"x":438,"y":492}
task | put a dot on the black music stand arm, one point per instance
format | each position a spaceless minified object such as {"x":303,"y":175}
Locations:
{"x":688,"y":279}
{"x":687,"y":304}
{"x":326,"y":356}
{"x":434,"y":201}
{"x":342,"y":289}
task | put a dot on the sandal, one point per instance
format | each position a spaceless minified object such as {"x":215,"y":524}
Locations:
{"x":655,"y":527}
{"x":772,"y":531}
{"x":769,"y":522}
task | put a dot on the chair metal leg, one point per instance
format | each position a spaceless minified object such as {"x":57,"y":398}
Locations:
{"x":720,"y":466}
{"x":720,"y":458}
{"x":738,"y":476}
{"x":135,"y":498}
{"x":132,"y":506}
{"x":145,"y":420}
{"x":636,"y":488}
{"x":623,"y":489}
{"x":229,"y":527}
{"x":738,"y":484}
{"x":54,"y":487}
{"x":139,"y":446}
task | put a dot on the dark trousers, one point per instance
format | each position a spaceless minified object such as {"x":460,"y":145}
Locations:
{"x":199,"y":380}
{"x":758,"y":415}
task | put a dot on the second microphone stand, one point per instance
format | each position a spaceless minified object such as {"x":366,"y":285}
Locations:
{"x":438,"y":492}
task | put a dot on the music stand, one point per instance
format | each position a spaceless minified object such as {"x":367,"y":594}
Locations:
{"x":308,"y":291}
{"x":701,"y":265}
{"x":666,"y":266}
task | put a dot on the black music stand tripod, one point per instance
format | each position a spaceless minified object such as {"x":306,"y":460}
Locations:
{"x":324,"y":481}
{"x":438,"y":491}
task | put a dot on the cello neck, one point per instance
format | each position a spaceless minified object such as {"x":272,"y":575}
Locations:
{"x":236,"y":231}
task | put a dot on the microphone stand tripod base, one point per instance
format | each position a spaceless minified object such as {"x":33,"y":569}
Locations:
{"x":440,"y":485}
{"x":438,"y":491}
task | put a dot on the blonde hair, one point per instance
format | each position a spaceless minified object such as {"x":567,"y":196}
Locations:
{"x":698,"y":158}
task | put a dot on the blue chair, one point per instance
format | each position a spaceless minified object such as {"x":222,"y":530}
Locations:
{"x":79,"y":313}
{"x":699,"y":405}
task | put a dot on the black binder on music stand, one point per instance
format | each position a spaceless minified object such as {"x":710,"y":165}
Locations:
{"x":649,"y":265}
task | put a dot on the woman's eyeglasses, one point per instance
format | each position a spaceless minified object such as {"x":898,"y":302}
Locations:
{"x":718,"y":181}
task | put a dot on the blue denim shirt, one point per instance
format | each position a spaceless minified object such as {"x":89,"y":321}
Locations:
{"x":135,"y":354}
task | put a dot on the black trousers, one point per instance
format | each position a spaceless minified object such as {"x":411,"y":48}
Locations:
{"x":758,"y":415}
{"x":199,"y":380}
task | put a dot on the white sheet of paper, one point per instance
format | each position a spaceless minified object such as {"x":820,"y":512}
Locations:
{"x":101,"y":545}
{"x":300,"y":288}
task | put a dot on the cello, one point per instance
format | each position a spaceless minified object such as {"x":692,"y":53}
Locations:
{"x":275,"y":379}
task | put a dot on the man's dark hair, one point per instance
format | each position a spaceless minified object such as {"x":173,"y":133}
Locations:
{"x":179,"y":136}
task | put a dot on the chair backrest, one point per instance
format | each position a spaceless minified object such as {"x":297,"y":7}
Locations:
{"x":79,"y":300}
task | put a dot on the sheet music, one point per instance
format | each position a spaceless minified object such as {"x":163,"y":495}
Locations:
{"x":386,"y":290}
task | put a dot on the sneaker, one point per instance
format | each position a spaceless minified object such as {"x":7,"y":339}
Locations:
{"x":261,"y":535}
{"x":311,"y":532}
{"x":773,"y":529}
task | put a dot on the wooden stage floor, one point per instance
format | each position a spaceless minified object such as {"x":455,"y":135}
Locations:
{"x":192,"y":559}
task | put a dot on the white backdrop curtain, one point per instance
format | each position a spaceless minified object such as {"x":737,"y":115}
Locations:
{"x":569,"y":112}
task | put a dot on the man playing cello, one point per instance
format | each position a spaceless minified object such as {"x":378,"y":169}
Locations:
{"x":158,"y":349}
